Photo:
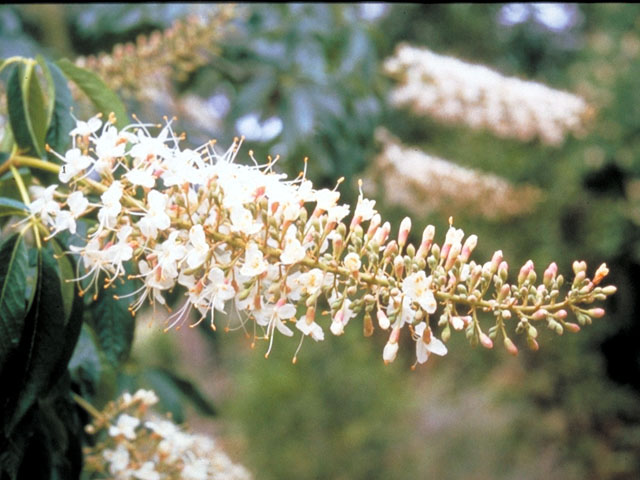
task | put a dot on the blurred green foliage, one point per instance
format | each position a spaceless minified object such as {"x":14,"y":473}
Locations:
{"x":571,"y":410}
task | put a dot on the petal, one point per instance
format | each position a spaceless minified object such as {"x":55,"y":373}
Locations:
{"x":436,"y":346}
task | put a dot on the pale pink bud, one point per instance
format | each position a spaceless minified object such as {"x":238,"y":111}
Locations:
{"x":373,"y":225}
{"x":468,"y":247}
{"x":540,"y":314}
{"x":496,"y":260}
{"x":550,"y":274}
{"x":389,"y":353}
{"x":403,"y":234}
{"x":579,"y":266}
{"x":524,"y":271}
{"x":485,"y":341}
{"x":510,"y":346}
{"x":572,"y":327}
{"x":382,"y":233}
{"x":561,"y":314}
{"x":451,"y":258}
{"x":596,"y":312}
{"x":427,"y":239}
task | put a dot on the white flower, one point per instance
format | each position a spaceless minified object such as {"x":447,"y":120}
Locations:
{"x":156,"y":217}
{"x":111,"y":206}
{"x":417,"y":287}
{"x":110,"y":144}
{"x":74,"y":163}
{"x":77,"y":203}
{"x":86,"y":128}
{"x":326,"y":199}
{"x":142,"y":177}
{"x":271,"y":316}
{"x":242,"y":220}
{"x":254,"y":263}
{"x":196,"y":470}
{"x":312,"y":329}
{"x":390,"y":352}
{"x":125,"y":425}
{"x":199,"y":248}
{"x":423,"y":348}
{"x":118,"y":459}
{"x":44,"y":205}
{"x":293,"y":250}
{"x":147,"y":472}
{"x":352,"y":262}
{"x":365,"y":209}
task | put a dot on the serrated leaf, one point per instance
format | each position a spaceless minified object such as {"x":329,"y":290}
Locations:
{"x":100,"y":95}
{"x":113,"y":323}
{"x":13,"y":278}
{"x":61,"y":122}
{"x":18,"y":116}
{"x":9,"y":206}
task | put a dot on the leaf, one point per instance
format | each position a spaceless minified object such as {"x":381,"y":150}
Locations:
{"x":13,"y":280}
{"x":43,"y":341}
{"x":169,"y":395}
{"x":100,"y":95}
{"x":190,"y":391}
{"x":36,"y":109}
{"x":18,"y":115}
{"x":113,"y":323}
{"x":9,"y":206}
{"x":61,"y":122}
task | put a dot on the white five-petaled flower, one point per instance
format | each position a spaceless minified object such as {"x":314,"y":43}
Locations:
{"x":424,"y":347}
{"x":254,"y":263}
{"x":418,"y":288}
{"x":74,"y":163}
{"x":293,"y":250}
{"x":199,"y":248}
{"x":117,"y":459}
{"x":312,"y":329}
{"x":156,"y":217}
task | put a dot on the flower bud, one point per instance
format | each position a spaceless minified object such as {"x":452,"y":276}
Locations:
{"x":485,"y":341}
{"x":373,"y":225}
{"x":452,"y":257}
{"x":579,"y":266}
{"x":609,"y":290}
{"x":391,"y":348}
{"x":532,"y":343}
{"x":540,"y":314}
{"x":602,"y":272}
{"x":550,"y":274}
{"x":524,"y":272}
{"x":510,"y":346}
{"x":403,"y":234}
{"x":561,"y":314}
{"x":496,"y":260}
{"x":504,"y":291}
{"x":367,"y":328}
{"x":468,"y":247}
{"x":596,"y":312}
{"x":427,"y":240}
{"x":503,"y":271}
{"x":383,"y":320}
{"x":572,"y":327}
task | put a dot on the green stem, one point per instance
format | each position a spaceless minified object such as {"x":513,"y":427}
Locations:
{"x":93,"y":411}
{"x":25,"y":199}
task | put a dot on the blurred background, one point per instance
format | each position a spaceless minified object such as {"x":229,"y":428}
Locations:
{"x":310,"y":81}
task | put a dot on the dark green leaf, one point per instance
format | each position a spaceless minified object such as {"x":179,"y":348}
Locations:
{"x":100,"y":95}
{"x":61,"y":122}
{"x":36,"y":109}
{"x":167,"y":391}
{"x":13,"y":278}
{"x":42,"y":342}
{"x":18,"y":115}
{"x":12,"y":450}
{"x":9,"y":206}
{"x":113,"y":323}
{"x":190,"y":391}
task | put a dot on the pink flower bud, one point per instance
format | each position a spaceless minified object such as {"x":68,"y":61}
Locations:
{"x":596,"y":312}
{"x":382,"y":233}
{"x":468,"y":247}
{"x":485,"y":341}
{"x":561,"y":314}
{"x":510,"y":346}
{"x":452,"y":257}
{"x":373,"y":225}
{"x":496,"y":260}
{"x":550,"y":274}
{"x":403,"y":234}
{"x":572,"y":327}
{"x":524,"y":271}
{"x":540,"y":314}
{"x":427,"y":240}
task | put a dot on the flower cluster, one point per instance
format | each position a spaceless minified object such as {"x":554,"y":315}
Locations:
{"x":132,"y":443}
{"x":451,"y":90}
{"x":146,"y":67}
{"x":433,"y":184}
{"x":283,"y":252}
